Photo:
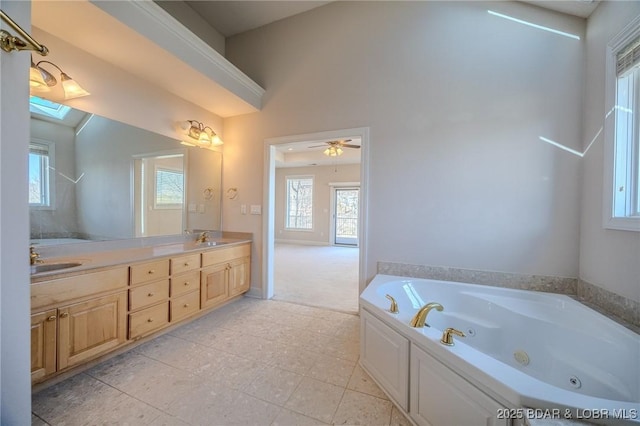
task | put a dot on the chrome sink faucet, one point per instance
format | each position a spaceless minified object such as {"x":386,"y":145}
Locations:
{"x":203,"y":237}
{"x":420,"y":318}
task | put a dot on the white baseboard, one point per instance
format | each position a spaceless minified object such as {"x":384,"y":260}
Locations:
{"x":303,"y":242}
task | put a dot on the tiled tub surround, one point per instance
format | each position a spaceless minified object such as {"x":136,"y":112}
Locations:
{"x":621,"y":309}
{"x":251,"y":362}
{"x":521,"y":349}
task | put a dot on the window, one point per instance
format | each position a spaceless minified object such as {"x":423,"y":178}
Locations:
{"x":622,"y":131}
{"x":299,"y":203}
{"x":47,"y":108}
{"x":169,"y":188}
{"x":40,"y":161}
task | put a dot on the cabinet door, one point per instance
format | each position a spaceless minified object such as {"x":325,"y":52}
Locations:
{"x":214,"y":285}
{"x":90,"y":328}
{"x":440,"y":397}
{"x":384,"y":354}
{"x":239,"y":276}
{"x":43,"y":344}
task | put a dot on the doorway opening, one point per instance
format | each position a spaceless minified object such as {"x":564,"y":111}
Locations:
{"x":324,"y":263}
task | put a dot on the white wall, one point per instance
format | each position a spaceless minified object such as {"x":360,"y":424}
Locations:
{"x":61,"y":220}
{"x":322,"y":176}
{"x":456,"y":100}
{"x":15,"y":380}
{"x":204,"y":172}
{"x":608,"y":258}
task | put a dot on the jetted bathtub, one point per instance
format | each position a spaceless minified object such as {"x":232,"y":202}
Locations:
{"x":525,"y":354}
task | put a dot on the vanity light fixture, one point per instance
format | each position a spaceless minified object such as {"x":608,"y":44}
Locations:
{"x":40,"y":80}
{"x":9,"y":42}
{"x":200,"y":135}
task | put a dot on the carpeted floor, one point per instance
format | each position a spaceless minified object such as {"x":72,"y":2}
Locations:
{"x":323,"y":276}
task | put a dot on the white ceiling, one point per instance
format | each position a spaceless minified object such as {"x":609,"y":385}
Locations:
{"x":234,"y":17}
{"x":304,"y":154}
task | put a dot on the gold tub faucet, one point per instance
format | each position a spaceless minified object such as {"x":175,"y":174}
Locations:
{"x":419,"y":320}
{"x":34,"y":256}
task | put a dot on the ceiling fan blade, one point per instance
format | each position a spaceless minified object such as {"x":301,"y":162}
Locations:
{"x":316,"y":146}
{"x":350,"y":146}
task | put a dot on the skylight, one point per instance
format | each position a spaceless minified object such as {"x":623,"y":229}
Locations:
{"x":48,"y":108}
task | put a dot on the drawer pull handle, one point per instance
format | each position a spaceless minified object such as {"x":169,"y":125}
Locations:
{"x":150,"y":294}
{"x":186,"y":305}
{"x":186,"y":263}
{"x":64,"y":314}
{"x":150,"y":320}
{"x":151,"y":271}
{"x":51,"y":318}
{"x":186,"y":283}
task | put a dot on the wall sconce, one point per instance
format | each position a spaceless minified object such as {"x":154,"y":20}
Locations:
{"x":199,"y":135}
{"x":40,"y":80}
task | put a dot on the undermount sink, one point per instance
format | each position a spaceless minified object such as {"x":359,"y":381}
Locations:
{"x":48,"y":267}
{"x":209,"y":244}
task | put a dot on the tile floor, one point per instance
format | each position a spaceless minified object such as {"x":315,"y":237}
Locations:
{"x":253,"y":362}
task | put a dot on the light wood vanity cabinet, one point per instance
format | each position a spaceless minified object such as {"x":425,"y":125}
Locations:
{"x":75,"y":319}
{"x":84,"y":316}
{"x":90,"y":328}
{"x":225,"y":273}
{"x":44,"y":329}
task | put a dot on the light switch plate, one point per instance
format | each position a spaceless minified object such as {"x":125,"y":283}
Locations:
{"x":243,"y":209}
{"x":256,"y":209}
{"x":192,"y":207}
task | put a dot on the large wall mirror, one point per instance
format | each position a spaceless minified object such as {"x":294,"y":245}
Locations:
{"x":95,"y":179}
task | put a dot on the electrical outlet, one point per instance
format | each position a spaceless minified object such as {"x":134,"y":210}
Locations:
{"x":243,"y":209}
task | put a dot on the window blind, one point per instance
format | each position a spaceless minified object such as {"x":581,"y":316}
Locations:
{"x":628,"y":57}
{"x":38,"y":149}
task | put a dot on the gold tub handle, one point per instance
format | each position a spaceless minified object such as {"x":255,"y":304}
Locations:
{"x":394,"y":306}
{"x":447,"y":336}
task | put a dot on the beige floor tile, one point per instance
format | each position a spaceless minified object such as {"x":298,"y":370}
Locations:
{"x":247,"y":410}
{"x":237,"y":372}
{"x":340,"y":348}
{"x":144,"y":378}
{"x":37,"y":421}
{"x":332,"y":370}
{"x":316,"y":399}
{"x":361,"y":409}
{"x":203,"y":404}
{"x":167,"y":420}
{"x":360,"y":381}
{"x":74,"y":396}
{"x":291,"y":418}
{"x":175,"y":352}
{"x":274,"y":385}
{"x":398,"y":419}
{"x":294,"y":359}
{"x":83,"y":400}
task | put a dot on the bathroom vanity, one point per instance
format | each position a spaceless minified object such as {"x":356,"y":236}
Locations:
{"x":115,"y":298}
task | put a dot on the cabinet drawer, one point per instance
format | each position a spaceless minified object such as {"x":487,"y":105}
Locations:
{"x":185,"y":263}
{"x":185,"y":283}
{"x":148,"y":320}
{"x":222,"y":255}
{"x":62,"y":290}
{"x":148,"y":294}
{"x":185,"y":305}
{"x":149,"y":271}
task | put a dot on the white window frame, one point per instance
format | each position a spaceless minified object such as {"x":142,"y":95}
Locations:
{"x":166,"y":206}
{"x":50,"y":176}
{"x":286,"y":202}
{"x":621,"y":166}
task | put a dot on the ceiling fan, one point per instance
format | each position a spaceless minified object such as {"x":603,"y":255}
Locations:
{"x":335,"y":147}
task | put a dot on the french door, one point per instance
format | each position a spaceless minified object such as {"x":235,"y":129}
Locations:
{"x":345,"y":216}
